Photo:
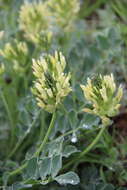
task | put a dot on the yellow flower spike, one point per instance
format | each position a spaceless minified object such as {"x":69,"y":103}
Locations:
{"x":102,"y":94}
{"x":15,"y":52}
{"x":52,"y":84}
{"x":64,"y":11}
{"x":35,"y":21}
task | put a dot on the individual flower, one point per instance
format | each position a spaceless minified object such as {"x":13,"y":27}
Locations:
{"x":103,"y":95}
{"x":51,"y":84}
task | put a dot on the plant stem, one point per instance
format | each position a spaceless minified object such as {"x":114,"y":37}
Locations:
{"x":89,"y":160}
{"x":42,"y":127}
{"x":93,"y":143}
{"x":17,"y":171}
{"x":9,"y":116}
{"x":21,"y":140}
{"x":73,"y":131}
{"x":86,"y":150}
{"x":47,"y":135}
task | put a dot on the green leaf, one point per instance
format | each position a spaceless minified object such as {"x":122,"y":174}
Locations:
{"x":105,"y":187}
{"x":62,"y":124}
{"x":31,"y":169}
{"x":56,"y":165}
{"x":70,"y":149}
{"x":103,"y":42}
{"x":89,"y":121}
{"x":55,"y":147}
{"x":5,"y":178}
{"x":73,"y":118}
{"x":45,"y":167}
{"x":68,"y":178}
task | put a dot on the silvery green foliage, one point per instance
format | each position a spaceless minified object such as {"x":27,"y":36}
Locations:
{"x":33,"y":29}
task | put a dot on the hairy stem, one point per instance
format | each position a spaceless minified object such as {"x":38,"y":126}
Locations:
{"x":47,"y":135}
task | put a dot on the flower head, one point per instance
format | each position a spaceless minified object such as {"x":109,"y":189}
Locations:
{"x":15,"y":52}
{"x":64,"y":11}
{"x":102,"y":93}
{"x":51,"y":84}
{"x":34,"y":19}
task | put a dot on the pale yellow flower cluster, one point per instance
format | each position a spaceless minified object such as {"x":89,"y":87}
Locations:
{"x":102,"y":93}
{"x":34,"y":19}
{"x":16,"y":53}
{"x":38,"y":19}
{"x":51,"y":84}
{"x":64,"y":11}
